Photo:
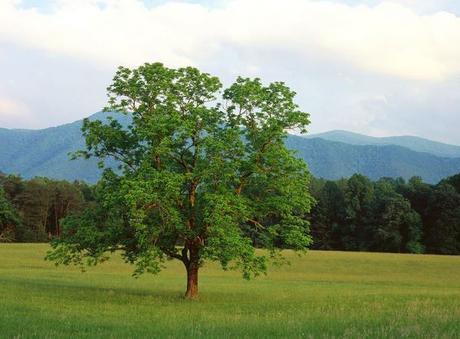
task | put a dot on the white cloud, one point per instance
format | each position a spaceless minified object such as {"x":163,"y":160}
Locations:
{"x":13,"y":110}
{"x":110,"y":32}
{"x":388,"y":67}
{"x":388,"y":39}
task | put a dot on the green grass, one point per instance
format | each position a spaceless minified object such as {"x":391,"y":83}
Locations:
{"x":322,"y":294}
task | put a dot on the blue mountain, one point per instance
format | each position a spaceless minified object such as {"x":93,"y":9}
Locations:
{"x":413,"y":143}
{"x":329,"y":155}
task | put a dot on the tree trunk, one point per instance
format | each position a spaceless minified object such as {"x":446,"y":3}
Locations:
{"x":192,"y":281}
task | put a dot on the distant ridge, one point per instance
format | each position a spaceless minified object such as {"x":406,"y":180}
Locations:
{"x":335,"y":160}
{"x":44,"y":152}
{"x":411,"y":142}
{"x":329,"y":155}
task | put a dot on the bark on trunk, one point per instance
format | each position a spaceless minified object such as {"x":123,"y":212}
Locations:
{"x":192,"y":281}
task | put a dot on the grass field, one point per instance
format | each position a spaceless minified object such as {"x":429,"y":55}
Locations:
{"x":322,"y":294}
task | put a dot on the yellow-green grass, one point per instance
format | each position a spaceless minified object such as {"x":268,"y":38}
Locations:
{"x":321,"y":294}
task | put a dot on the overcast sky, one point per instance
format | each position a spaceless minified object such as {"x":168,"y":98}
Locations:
{"x":375,"y":67}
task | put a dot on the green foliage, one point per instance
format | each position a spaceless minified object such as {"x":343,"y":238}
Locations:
{"x":358,"y":196}
{"x":454,"y":181}
{"x":389,"y":215}
{"x":9,"y":219}
{"x":397,"y":227}
{"x":442,"y":229}
{"x":39,"y":205}
{"x":412,"y":217}
{"x":197,"y":166}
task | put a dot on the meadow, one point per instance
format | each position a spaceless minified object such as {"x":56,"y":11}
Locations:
{"x":319,"y":295}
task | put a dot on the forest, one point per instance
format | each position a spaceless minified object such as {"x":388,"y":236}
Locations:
{"x":34,"y":210}
{"x":354,"y":214}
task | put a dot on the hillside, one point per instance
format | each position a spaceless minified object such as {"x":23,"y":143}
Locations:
{"x":45,"y":153}
{"x":413,"y":143}
{"x":333,"y":160}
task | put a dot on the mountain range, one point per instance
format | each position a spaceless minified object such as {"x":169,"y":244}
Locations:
{"x":414,"y":143}
{"x":330,"y":155}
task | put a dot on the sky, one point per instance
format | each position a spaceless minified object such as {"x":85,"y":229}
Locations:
{"x":377,"y":67}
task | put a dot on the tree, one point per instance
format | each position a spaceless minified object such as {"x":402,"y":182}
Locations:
{"x":9,"y":219}
{"x":395,"y":227}
{"x":34,"y":203}
{"x":359,"y":194}
{"x":327,"y":216}
{"x":66,"y":197}
{"x":454,"y":181}
{"x":419,"y":195}
{"x":442,"y":228}
{"x":12,"y":185}
{"x":197,"y":165}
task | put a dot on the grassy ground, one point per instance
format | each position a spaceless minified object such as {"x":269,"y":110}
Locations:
{"x":322,"y":294}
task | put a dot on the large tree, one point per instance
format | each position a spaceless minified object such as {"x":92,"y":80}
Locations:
{"x":198,"y":166}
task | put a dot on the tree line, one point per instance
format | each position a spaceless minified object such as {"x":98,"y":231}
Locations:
{"x":355,"y":214}
{"x":33,"y":210}
{"x":389,"y":215}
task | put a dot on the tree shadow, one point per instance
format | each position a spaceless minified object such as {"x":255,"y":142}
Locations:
{"x":87,"y":292}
